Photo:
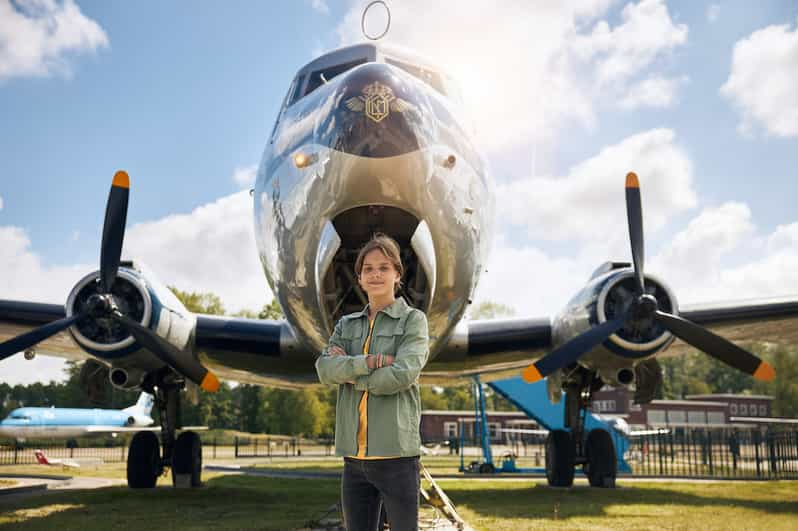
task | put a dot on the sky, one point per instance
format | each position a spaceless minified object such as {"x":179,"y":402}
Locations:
{"x":699,"y":99}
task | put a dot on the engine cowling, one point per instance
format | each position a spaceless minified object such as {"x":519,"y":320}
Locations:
{"x":608,"y":294}
{"x":137,"y":294}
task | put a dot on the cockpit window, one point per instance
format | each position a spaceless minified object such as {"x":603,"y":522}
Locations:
{"x":429,"y":77}
{"x":319,"y":77}
{"x":19,"y":416}
{"x":296,"y":89}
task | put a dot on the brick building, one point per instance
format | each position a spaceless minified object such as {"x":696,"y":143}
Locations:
{"x":708,"y":410}
{"x":443,"y":425}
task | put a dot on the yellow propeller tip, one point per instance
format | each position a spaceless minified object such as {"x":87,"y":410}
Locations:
{"x":210,"y":383}
{"x":121,"y":180}
{"x":631,"y":180}
{"x":531,"y":374}
{"x":765,"y":372}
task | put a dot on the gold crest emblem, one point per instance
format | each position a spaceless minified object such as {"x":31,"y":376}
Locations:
{"x":378,"y":101}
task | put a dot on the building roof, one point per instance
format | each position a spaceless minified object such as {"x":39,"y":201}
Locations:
{"x":470,"y":412}
{"x":685,"y":403}
{"x":763,"y":420}
{"x":729,"y":395}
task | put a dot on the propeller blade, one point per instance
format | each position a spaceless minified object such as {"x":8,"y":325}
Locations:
{"x":37,"y":335}
{"x":634,"y":215}
{"x":572,"y":350}
{"x":114,"y":230}
{"x":169,"y":354}
{"x":716,"y":346}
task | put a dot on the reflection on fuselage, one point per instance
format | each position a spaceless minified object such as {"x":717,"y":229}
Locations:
{"x":377,"y":137}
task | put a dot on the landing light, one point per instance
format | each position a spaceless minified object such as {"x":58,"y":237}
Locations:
{"x":302,"y":160}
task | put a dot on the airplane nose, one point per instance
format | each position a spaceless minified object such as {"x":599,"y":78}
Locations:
{"x":380,"y":111}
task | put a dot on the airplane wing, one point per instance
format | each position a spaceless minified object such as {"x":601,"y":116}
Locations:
{"x":499,"y":348}
{"x":495,"y":348}
{"x":18,"y":317}
{"x":772,"y":320}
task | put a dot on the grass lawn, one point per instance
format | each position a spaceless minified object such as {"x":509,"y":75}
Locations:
{"x":241,"y":502}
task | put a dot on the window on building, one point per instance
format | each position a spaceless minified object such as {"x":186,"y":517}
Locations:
{"x":763,"y":410}
{"x":733,"y":409}
{"x":743,"y":409}
{"x":450,"y":430}
{"x":696,"y":417}
{"x":677,"y":417}
{"x":715,"y":417}
{"x":655,"y":417}
{"x":493,"y":429}
{"x":604,"y":406}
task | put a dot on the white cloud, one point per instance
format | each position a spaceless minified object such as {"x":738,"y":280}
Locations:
{"x":647,"y":31}
{"x":713,"y":12}
{"x":589,"y":201}
{"x":653,"y":92}
{"x":763,"y":80}
{"x":38,"y":35}
{"x":210,"y":249}
{"x":244,"y":176}
{"x":320,"y":6}
{"x":1,"y":203}
{"x":700,"y":261}
{"x":533,"y":69}
{"x":24,"y":276}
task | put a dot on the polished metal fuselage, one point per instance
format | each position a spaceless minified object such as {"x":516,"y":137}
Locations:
{"x":292,"y":205}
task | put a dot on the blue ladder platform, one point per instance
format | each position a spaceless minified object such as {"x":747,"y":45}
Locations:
{"x":533,"y":399}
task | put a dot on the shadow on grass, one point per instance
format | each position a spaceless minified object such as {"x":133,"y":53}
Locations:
{"x":242,"y":502}
{"x":225,"y":502}
{"x":541,"y":501}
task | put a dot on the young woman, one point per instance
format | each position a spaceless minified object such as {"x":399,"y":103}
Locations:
{"x":375,"y":357}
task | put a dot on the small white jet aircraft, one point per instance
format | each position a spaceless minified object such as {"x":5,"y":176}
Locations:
{"x":42,"y":459}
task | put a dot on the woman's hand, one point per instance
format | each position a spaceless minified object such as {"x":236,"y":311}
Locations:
{"x":335,"y":350}
{"x":378,"y":361}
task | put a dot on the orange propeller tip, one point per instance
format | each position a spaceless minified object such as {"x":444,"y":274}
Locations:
{"x":765,"y":372}
{"x":631,"y":180}
{"x":210,"y":383}
{"x":121,"y":180}
{"x":531,"y":374}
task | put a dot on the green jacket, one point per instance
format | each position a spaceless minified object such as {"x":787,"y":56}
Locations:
{"x":394,"y":401}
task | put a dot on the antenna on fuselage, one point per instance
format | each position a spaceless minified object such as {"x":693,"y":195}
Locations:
{"x":387,"y":22}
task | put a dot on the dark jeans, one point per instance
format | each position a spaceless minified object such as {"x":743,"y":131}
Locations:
{"x":367,"y":484}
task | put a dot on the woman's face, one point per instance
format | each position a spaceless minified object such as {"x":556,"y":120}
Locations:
{"x":378,"y":276}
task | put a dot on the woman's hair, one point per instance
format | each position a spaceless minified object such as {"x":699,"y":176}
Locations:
{"x":389,"y":248}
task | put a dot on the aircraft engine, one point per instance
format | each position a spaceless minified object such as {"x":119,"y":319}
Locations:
{"x":138,"y":420}
{"x":610,"y":294}
{"x":139,"y":297}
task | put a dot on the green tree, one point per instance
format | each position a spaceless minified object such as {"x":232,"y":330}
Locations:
{"x":490,"y":310}
{"x":208,"y":303}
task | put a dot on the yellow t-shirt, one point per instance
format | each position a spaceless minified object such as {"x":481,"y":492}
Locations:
{"x":363,"y":411}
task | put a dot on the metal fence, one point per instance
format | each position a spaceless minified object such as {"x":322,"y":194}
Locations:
{"x":24,"y":455}
{"x":281,"y":447}
{"x":744,"y":453}
{"x":718,"y":453}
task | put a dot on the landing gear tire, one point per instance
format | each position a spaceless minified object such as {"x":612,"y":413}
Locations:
{"x":559,"y":459}
{"x":143,"y":461}
{"x":187,"y":461}
{"x":487,"y":468}
{"x":601,"y":465}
